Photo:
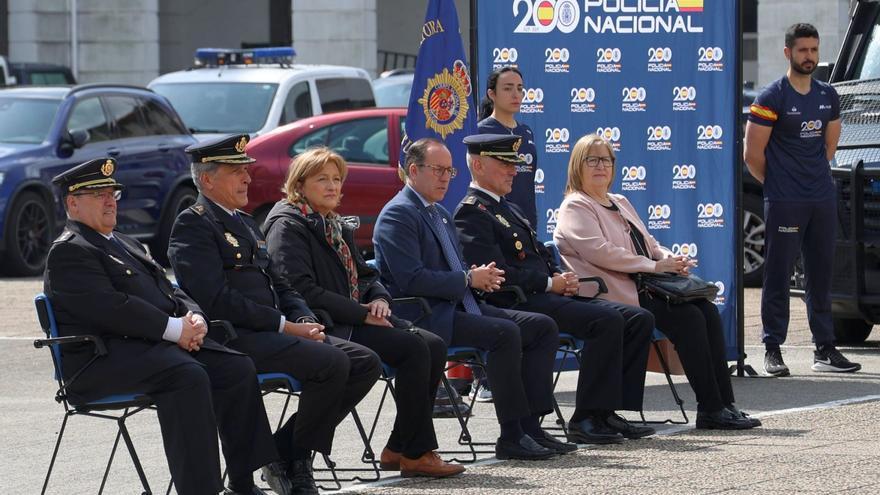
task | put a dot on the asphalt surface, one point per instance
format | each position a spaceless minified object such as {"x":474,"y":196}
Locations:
{"x":820,"y":433}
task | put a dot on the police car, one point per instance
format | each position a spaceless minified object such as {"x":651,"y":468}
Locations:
{"x":254,"y":91}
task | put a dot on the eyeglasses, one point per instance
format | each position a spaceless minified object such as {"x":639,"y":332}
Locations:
{"x":594,"y":161}
{"x":441,"y":171}
{"x":102,"y":195}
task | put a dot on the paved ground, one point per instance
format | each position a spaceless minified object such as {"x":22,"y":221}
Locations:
{"x":802,"y":448}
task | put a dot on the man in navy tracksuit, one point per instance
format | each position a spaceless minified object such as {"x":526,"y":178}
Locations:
{"x":791,"y":136}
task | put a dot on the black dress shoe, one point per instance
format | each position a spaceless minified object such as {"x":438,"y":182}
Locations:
{"x":300,"y":474}
{"x":548,"y":441}
{"x":755,"y":421}
{"x":253,"y":490}
{"x":593,"y":431}
{"x":722,"y":420}
{"x":275,"y":474}
{"x":627,"y":429}
{"x":525,"y":449}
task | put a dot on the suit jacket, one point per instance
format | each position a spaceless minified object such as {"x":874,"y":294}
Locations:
{"x":490,"y":230}
{"x":412,"y":263}
{"x":595,"y":241}
{"x":223,"y":262}
{"x":302,"y":256}
{"x":123,"y":297}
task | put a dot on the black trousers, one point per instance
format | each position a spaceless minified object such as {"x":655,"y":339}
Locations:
{"x":695,"y":330}
{"x":214,"y":389}
{"x":419,"y":357}
{"x":521,"y":350}
{"x":615,"y":355}
{"x":805,"y":227}
{"x":335,"y":375}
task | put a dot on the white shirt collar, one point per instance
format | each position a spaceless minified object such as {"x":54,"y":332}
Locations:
{"x":483,"y":189}
{"x":425,"y":202}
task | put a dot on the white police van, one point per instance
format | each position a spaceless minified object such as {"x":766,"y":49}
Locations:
{"x":254,"y":91}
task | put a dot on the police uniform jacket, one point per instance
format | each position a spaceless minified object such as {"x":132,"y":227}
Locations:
{"x":223,"y":262}
{"x":123,"y":297}
{"x":490,"y":230}
{"x":302,"y":256}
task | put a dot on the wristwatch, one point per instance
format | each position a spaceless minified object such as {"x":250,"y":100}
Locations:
{"x":467,"y":275}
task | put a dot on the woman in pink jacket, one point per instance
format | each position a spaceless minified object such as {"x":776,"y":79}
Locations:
{"x":599,"y":233}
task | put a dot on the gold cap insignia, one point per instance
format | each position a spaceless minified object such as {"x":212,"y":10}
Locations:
{"x":239,"y":146}
{"x":502,"y":220}
{"x":231,"y":239}
{"x":107,"y":168}
{"x":516,"y":145}
{"x":518,"y":245}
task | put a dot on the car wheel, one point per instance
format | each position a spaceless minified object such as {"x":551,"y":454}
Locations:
{"x":851,"y":330}
{"x":183,"y":198}
{"x":28,"y":235}
{"x":753,"y":240}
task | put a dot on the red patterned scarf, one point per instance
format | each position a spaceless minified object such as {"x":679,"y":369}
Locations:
{"x":333,"y":235}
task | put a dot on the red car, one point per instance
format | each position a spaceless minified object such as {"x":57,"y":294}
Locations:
{"x":368,"y":139}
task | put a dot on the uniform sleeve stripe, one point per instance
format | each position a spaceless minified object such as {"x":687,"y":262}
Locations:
{"x":763,"y":112}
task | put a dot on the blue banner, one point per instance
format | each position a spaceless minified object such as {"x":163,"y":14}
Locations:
{"x":656,"y":78}
{"x":440,"y":104}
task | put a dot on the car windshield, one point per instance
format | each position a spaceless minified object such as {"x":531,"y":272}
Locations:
{"x":393,"y":91}
{"x":220,"y":107}
{"x":26,"y":120}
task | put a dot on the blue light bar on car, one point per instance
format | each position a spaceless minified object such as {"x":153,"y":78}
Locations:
{"x":213,"y":57}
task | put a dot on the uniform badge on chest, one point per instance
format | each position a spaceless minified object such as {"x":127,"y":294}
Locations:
{"x":231,"y":239}
{"x":503,"y":220}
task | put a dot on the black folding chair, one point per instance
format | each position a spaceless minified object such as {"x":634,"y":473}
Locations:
{"x":114,"y":407}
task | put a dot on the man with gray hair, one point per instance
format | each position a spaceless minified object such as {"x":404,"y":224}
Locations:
{"x":220,"y":258}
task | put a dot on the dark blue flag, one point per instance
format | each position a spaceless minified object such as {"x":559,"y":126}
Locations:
{"x":440,"y":100}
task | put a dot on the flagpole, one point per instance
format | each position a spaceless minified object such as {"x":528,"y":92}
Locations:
{"x":475,"y":73}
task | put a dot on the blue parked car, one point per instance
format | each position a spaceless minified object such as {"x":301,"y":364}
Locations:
{"x":46,"y":130}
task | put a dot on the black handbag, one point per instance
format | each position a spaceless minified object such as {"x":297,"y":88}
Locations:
{"x":675,"y":289}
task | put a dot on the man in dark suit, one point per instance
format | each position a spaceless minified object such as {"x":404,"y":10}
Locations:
{"x":103,"y":282}
{"x":418,"y":255}
{"x":616,"y":336}
{"x":220,"y":257}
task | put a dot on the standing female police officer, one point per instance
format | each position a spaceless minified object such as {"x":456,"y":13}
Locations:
{"x":791,"y":136}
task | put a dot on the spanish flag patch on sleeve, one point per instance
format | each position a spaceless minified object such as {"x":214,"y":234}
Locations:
{"x":763,"y":113}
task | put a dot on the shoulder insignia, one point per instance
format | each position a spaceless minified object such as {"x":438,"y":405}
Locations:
{"x":199,"y":209}
{"x":65,"y":236}
{"x":469,"y":200}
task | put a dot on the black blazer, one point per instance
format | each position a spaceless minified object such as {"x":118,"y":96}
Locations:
{"x":302,"y":257}
{"x":126,"y":300}
{"x":222,"y":262}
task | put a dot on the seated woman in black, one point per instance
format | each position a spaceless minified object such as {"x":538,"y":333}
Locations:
{"x":312,"y":248}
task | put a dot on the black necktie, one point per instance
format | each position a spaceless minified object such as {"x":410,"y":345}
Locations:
{"x":121,"y":249}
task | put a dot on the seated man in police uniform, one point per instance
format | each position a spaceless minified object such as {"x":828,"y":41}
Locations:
{"x":492,"y":229}
{"x":103,"y":283}
{"x":220,"y":258}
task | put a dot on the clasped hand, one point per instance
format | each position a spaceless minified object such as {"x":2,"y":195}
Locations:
{"x":378,"y":313}
{"x":486,"y":278}
{"x":192,"y":335}
{"x":565,"y":284}
{"x":676,"y":264}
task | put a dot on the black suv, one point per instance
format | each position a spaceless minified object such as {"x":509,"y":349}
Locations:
{"x":46,"y":130}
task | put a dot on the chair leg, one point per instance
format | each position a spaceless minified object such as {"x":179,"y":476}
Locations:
{"x":55,"y":453}
{"x":110,"y":460}
{"x":372,"y":458}
{"x":331,"y":466}
{"x":133,"y":453}
{"x":170,"y":484}
{"x":678,"y":400}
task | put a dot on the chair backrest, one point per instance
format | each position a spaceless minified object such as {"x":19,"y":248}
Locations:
{"x":554,"y":250}
{"x":372,"y":264}
{"x":47,"y":321}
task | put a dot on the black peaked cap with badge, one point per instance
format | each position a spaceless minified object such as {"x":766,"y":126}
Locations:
{"x":93,"y":174}
{"x":504,"y":147}
{"x":227,"y":150}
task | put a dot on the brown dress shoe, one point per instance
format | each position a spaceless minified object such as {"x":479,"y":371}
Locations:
{"x":389,"y":460}
{"x":429,"y":465}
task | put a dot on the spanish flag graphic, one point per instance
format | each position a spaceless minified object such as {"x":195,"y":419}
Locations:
{"x":545,"y":13}
{"x":763,"y":112}
{"x":690,"y":5}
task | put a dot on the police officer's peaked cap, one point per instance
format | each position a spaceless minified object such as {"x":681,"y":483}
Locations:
{"x":93,"y":174}
{"x":504,"y":147}
{"x":227,"y":150}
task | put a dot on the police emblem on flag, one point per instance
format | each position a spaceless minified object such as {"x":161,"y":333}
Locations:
{"x":444,"y":100}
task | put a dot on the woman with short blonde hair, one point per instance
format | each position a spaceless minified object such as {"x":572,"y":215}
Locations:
{"x":600,"y":234}
{"x":312,"y":248}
